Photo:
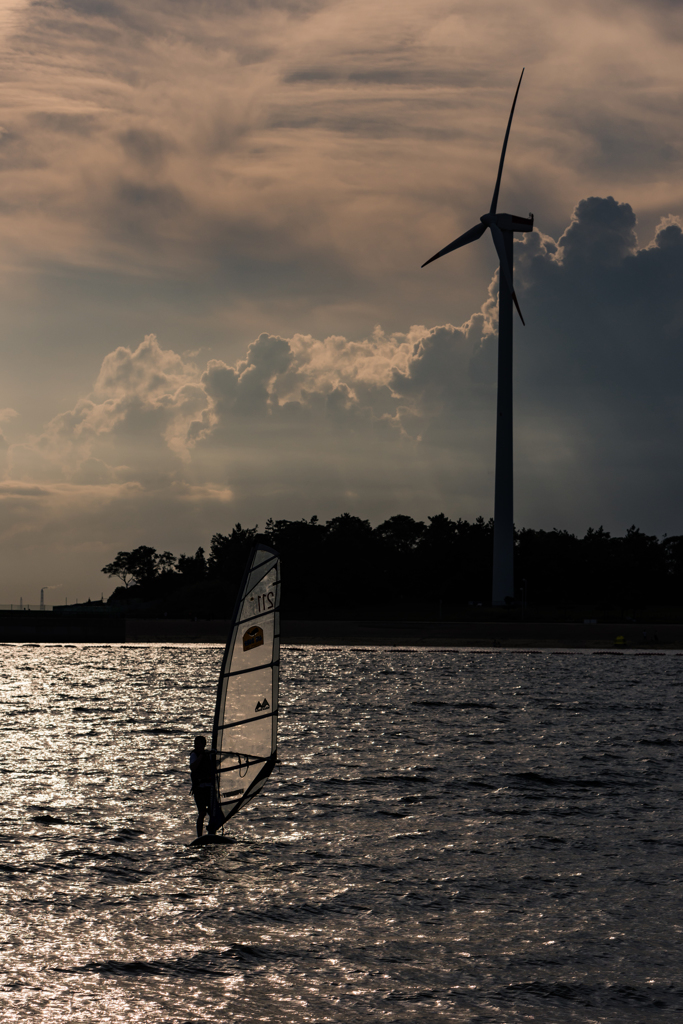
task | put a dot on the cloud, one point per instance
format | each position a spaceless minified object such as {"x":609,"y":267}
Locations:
{"x":600,"y":368}
{"x":403,"y":421}
{"x":291,"y":145}
{"x":207,"y":173}
{"x":150,"y":403}
{"x":299,"y":421}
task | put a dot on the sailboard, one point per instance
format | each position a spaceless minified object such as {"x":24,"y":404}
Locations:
{"x":244,"y":737}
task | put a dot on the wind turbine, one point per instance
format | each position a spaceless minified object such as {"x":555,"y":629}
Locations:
{"x":502,"y":226}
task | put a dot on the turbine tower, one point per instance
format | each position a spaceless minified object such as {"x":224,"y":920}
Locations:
{"x":502,"y":226}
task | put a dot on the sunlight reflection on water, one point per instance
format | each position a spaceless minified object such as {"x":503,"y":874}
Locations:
{"x":452,"y":835}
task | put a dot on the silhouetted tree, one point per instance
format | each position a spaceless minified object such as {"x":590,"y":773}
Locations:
{"x":550,"y":562}
{"x":673,"y":560}
{"x":299,"y":543}
{"x":404,"y":566}
{"x":641,"y":568}
{"x":193,"y":568}
{"x":229,"y":554}
{"x":140,"y":565}
{"x":401,"y":533}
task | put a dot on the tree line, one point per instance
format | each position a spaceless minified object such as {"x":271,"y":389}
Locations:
{"x":407,"y":568}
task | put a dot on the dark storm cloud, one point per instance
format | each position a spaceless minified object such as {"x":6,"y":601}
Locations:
{"x":68,"y":124}
{"x":148,"y":147}
{"x":602,"y":363}
{"x":411,"y":76}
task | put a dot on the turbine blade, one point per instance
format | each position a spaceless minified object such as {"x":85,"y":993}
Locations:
{"x":494,"y":201}
{"x":505,"y":268}
{"x":470,"y":236}
{"x":514,"y":299}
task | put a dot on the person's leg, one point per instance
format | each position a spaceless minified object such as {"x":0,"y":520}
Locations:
{"x":201,"y":798}
{"x":216,"y":818}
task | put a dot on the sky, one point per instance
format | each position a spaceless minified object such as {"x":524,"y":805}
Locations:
{"x":212,"y":220}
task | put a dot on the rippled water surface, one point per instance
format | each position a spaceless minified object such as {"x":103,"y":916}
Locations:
{"x":451,"y":836}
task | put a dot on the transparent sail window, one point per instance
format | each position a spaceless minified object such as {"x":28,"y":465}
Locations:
{"x":248,"y":696}
{"x":262,"y":596}
{"x":252,"y":738}
{"x":253,"y":644}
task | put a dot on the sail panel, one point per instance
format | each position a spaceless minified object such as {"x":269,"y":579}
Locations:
{"x":257,"y":625}
{"x":261,"y":556}
{"x":245,"y":723}
{"x":253,"y":739}
{"x":240,"y":781}
{"x":247,"y":696}
{"x":258,"y":576}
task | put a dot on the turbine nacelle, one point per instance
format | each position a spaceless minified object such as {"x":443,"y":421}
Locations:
{"x":508,"y":222}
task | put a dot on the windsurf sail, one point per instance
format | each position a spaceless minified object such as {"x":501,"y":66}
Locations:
{"x":245,"y":723}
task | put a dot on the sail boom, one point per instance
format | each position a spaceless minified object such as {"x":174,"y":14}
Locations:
{"x":245,"y":721}
{"x":235,"y":767}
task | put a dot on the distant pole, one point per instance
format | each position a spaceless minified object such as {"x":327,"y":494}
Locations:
{"x":503,"y":517}
{"x":42,"y":600}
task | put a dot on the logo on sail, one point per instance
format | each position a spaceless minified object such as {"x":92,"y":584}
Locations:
{"x":262,"y":705}
{"x":252,"y":638}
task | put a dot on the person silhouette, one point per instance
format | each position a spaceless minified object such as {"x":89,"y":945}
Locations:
{"x":202,"y":770}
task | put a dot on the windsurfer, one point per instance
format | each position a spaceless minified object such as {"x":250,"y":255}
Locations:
{"x":202,"y":771}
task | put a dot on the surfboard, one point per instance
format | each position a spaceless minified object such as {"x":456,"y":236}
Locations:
{"x":208,"y":839}
{"x":244,"y":739}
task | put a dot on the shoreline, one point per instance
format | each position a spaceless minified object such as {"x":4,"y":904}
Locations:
{"x":341,"y":633}
{"x":351,"y":633}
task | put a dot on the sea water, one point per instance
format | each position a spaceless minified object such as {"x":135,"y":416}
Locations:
{"x":451,"y":835}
